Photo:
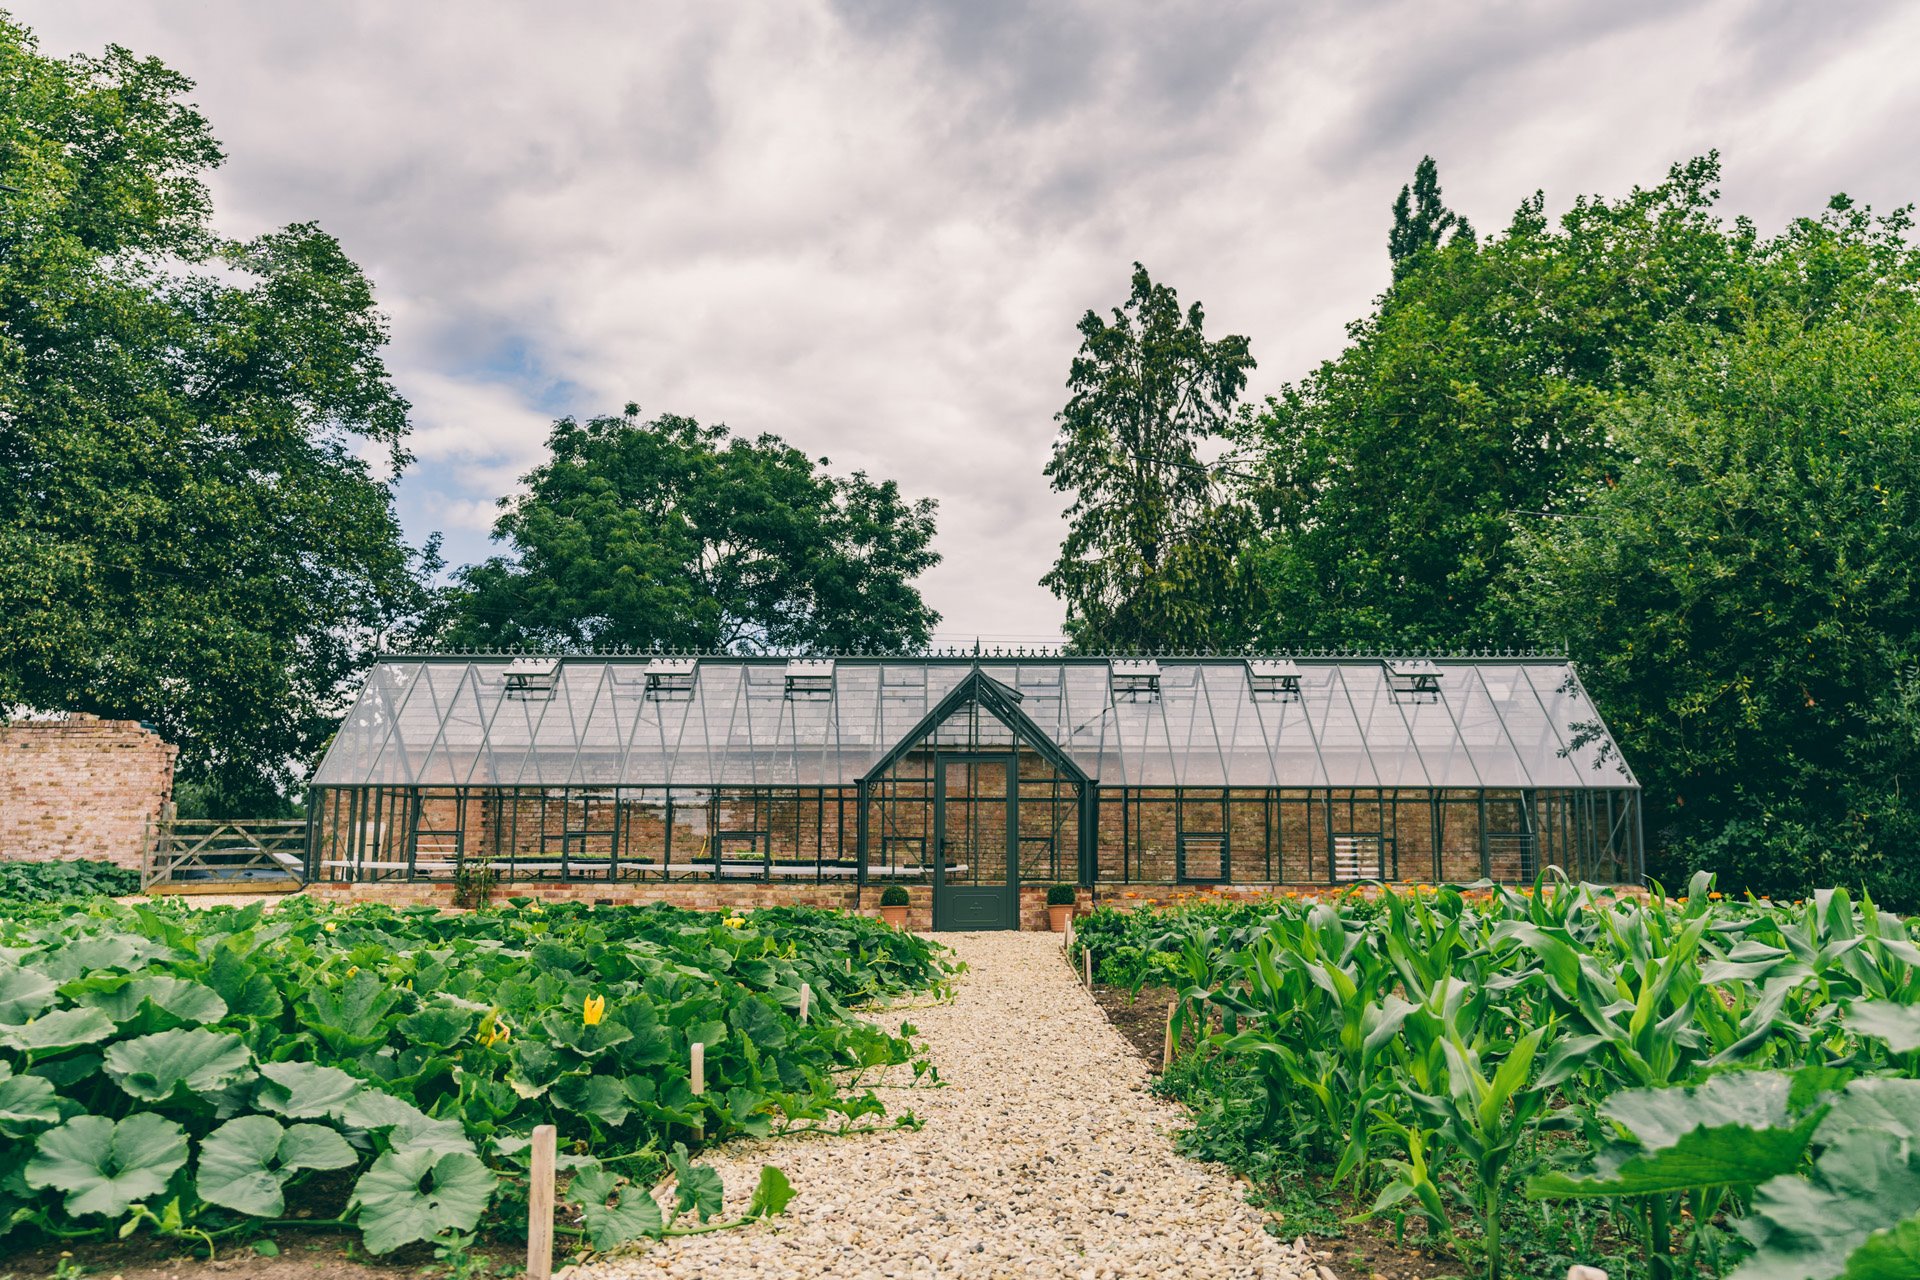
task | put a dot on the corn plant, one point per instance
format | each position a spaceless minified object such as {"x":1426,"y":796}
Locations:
{"x":1419,"y":1042}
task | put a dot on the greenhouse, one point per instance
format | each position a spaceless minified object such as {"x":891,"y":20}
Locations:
{"x":972,"y":774}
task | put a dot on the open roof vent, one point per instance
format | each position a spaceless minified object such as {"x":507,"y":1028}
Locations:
{"x":1413,"y":680}
{"x":671,"y":679}
{"x":810,"y":679}
{"x":532,"y":679}
{"x":1135,"y":679}
{"x":1274,"y":679}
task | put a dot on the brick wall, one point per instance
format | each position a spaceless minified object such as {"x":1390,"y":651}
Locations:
{"x":695,"y":895}
{"x":81,"y":788}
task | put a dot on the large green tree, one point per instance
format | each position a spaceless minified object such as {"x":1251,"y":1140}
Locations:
{"x":1743,"y":591}
{"x":667,"y":533}
{"x":1149,"y":558}
{"x":190,"y":534}
{"x":1472,"y":400}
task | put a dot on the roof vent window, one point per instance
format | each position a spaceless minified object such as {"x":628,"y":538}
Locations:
{"x":1135,"y":680}
{"x":671,"y":679}
{"x":531,"y":679}
{"x":809,"y":679}
{"x":1414,"y":680}
{"x":1274,"y":679}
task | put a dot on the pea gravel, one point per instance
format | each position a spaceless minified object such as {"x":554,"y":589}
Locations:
{"x":1044,"y":1156}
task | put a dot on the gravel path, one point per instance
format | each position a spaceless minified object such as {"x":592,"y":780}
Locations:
{"x":211,"y":899}
{"x":1044,"y":1156}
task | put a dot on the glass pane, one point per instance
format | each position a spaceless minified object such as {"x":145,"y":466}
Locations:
{"x":1539,"y":756}
{"x":1589,"y":747}
{"x":974,"y":821}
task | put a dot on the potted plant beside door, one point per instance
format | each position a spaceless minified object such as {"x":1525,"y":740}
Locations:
{"x":893,"y":905}
{"x":1060,"y":899}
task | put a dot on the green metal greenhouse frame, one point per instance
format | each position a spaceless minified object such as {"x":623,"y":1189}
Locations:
{"x":1283,"y":769}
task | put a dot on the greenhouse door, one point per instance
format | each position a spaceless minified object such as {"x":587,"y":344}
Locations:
{"x":976,"y":825}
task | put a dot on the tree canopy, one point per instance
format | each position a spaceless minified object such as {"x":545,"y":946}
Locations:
{"x":1148,"y":557}
{"x":1471,"y":401}
{"x":1645,"y":434}
{"x":190,"y":532}
{"x":1741,"y":588}
{"x":1421,"y":219}
{"x":667,"y":533}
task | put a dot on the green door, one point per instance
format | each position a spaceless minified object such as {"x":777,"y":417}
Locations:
{"x":976,"y":828}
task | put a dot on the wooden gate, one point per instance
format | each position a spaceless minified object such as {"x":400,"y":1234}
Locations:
{"x":209,"y":855}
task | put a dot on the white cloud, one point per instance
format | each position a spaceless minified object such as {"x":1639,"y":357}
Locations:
{"x":872,"y":227}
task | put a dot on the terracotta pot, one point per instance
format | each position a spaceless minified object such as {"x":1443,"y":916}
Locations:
{"x":895,"y":916}
{"x":1058,"y":913}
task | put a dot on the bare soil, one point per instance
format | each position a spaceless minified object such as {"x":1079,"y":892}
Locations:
{"x":329,"y":1255}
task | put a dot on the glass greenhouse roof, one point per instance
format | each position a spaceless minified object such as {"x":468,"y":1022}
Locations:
{"x":1197,"y":722}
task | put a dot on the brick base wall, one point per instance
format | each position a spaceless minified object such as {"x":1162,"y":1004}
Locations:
{"x":695,"y":895}
{"x":81,"y":788}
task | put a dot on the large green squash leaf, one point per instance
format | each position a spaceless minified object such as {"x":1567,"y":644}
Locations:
{"x":248,"y":992}
{"x":602,"y":1097}
{"x":1897,"y":1024}
{"x":1866,"y":1180}
{"x":1735,"y":1130}
{"x":304,"y":1090}
{"x":408,"y":1127}
{"x":437,"y":1027}
{"x":1889,"y":1254}
{"x":104,"y":1167}
{"x":183,"y":1001}
{"x":95,"y":955}
{"x":245,"y":1163}
{"x":67,"y":1069}
{"x":61,"y":1029}
{"x":24,"y":993}
{"x":153,"y":1067}
{"x":415,"y":1195}
{"x":28,"y":1104}
{"x":696,"y":1187}
{"x":633,"y":1215}
{"x":354,"y":1017}
{"x":564,"y":1027}
{"x":773,"y":1194}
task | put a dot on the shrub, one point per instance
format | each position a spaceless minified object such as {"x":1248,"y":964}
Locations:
{"x":894,"y":895}
{"x":74,"y":878}
{"x":1060,"y":895}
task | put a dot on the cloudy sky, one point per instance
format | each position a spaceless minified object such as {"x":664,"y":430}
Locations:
{"x":871,"y":226}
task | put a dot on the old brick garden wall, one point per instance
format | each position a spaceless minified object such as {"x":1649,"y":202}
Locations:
{"x":81,"y":788}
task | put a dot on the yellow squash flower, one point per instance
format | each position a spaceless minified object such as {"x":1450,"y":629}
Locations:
{"x":593,"y":1010}
{"x":331,"y":926}
{"x":735,"y":922}
{"x":493,"y":1029}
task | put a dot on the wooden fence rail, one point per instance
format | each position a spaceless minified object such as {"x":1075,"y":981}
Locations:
{"x":210,"y":852}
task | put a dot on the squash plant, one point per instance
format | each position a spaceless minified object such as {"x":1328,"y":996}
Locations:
{"x":199,"y":1073}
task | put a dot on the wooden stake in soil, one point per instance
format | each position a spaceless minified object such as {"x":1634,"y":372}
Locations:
{"x":698,"y":1070}
{"x":540,"y":1206}
{"x":1087,"y":957}
{"x":1166,"y":1050}
{"x":806,"y":999}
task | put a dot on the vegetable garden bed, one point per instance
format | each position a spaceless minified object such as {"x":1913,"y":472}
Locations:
{"x":225,"y":1075}
{"x":1522,"y":1080}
